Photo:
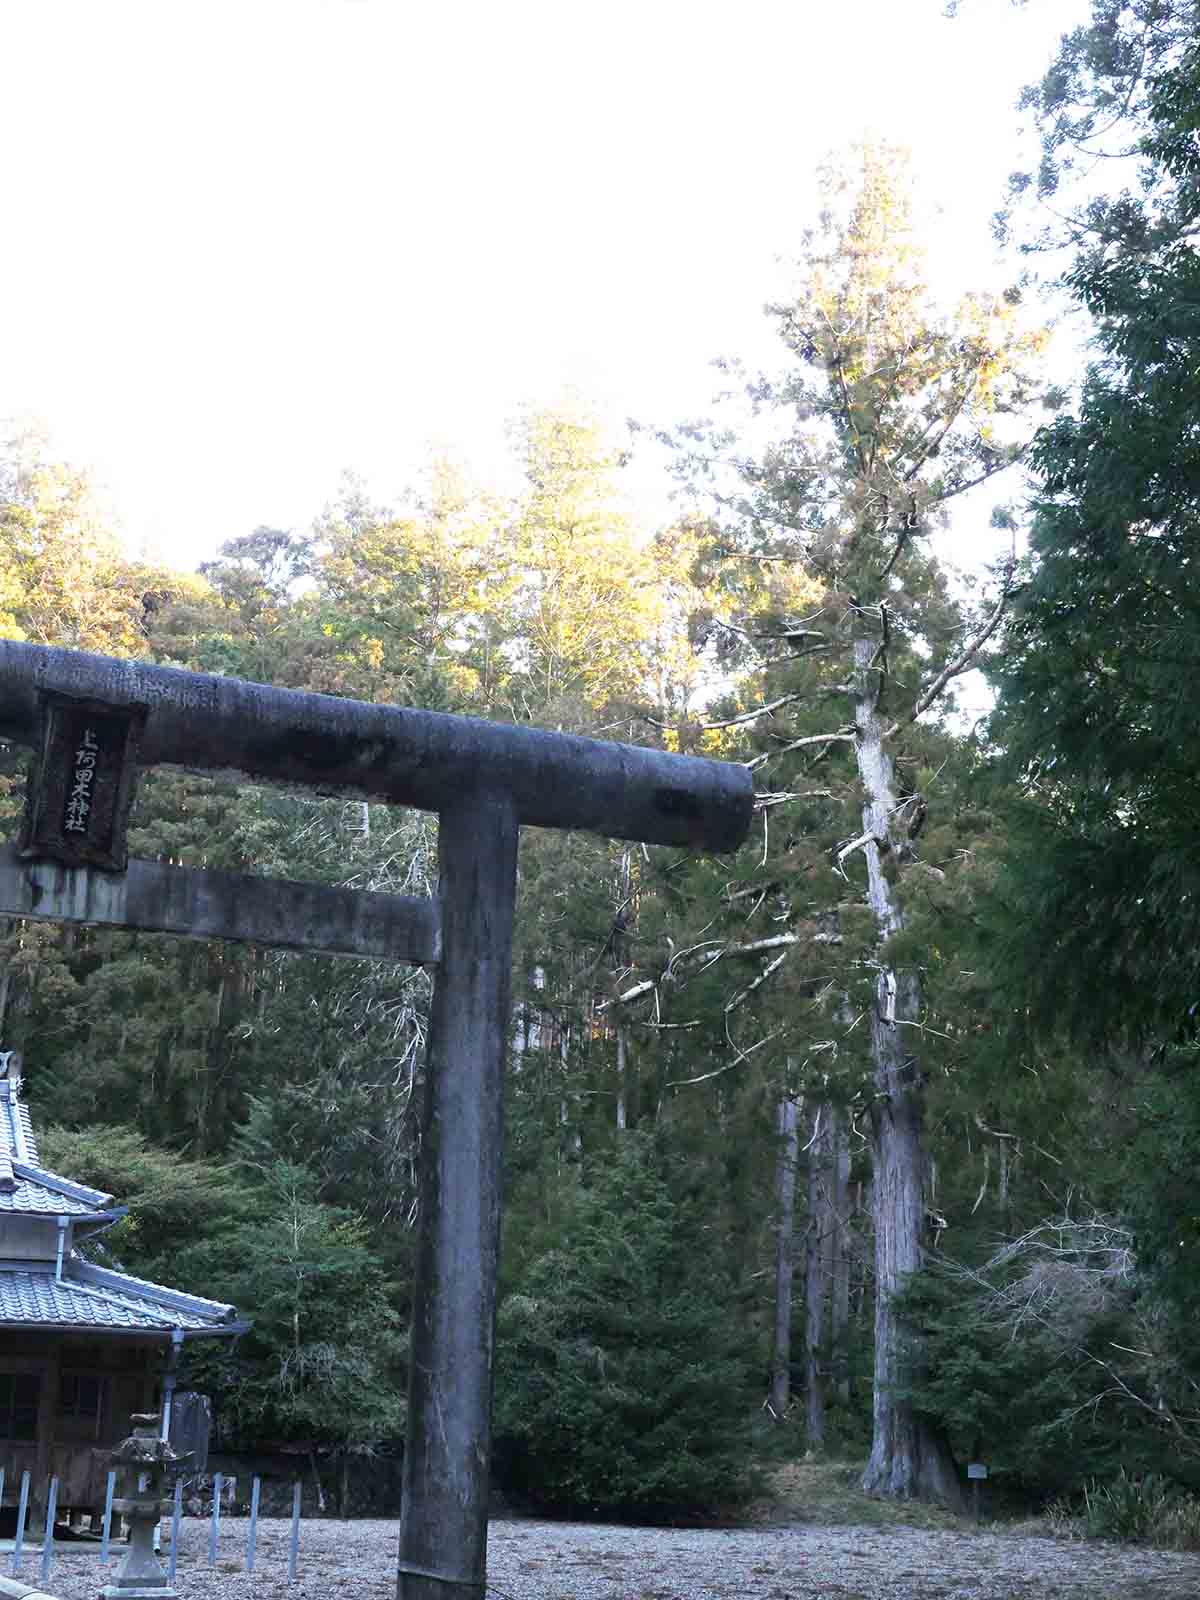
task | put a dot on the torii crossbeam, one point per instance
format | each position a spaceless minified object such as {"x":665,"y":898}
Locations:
{"x":93,"y":721}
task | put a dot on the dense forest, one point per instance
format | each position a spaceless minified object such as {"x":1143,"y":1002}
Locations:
{"x":878,"y":1136}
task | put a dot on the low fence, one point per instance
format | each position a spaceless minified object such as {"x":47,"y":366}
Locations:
{"x":221,"y":1486}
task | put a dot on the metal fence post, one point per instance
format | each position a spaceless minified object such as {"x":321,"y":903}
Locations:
{"x":255,"y":1490}
{"x":106,"y":1526}
{"x":22,"y":1512}
{"x":214,"y":1531}
{"x":294,"y":1549}
{"x":48,"y":1541}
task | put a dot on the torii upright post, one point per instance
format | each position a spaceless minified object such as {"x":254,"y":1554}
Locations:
{"x":93,"y":721}
{"x":448,"y":1445}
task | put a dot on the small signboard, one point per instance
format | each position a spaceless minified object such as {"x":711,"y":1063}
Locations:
{"x":81,"y":783}
{"x":976,"y":1469}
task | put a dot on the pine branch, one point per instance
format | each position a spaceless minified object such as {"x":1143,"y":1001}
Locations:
{"x":973,"y":483}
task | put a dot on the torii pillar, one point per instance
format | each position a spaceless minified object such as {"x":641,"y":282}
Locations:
{"x":93,"y":721}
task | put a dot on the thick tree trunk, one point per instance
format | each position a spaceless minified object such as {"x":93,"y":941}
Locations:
{"x":819,"y":1261}
{"x":839,"y":1319}
{"x":785,"y":1217}
{"x":909,"y":1460}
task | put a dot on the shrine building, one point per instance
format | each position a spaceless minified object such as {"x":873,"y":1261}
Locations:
{"x":82,"y":1347}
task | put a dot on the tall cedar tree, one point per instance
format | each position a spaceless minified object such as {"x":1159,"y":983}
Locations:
{"x":891,"y":411}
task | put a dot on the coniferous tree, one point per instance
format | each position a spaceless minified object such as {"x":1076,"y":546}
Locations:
{"x":622,"y":1385}
{"x":892,"y":410}
{"x":1095,"y":924}
{"x":1096,"y":706}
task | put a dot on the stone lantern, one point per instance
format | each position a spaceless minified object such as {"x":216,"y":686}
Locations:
{"x":143,"y":1463}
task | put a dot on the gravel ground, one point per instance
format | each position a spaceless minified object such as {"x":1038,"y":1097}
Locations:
{"x":532,"y":1560}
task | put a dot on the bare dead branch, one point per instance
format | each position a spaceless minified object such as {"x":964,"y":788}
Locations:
{"x":994,"y":1132}
{"x":635,"y":993}
{"x":751,"y":716}
{"x":796,"y":632}
{"x":733,"y":895}
{"x":706,"y":954}
{"x":774,"y":941}
{"x":767,"y":971}
{"x":846,"y":736}
{"x":860,"y":843}
{"x":964,"y":660}
{"x":782,"y":796}
{"x":729,"y":1065}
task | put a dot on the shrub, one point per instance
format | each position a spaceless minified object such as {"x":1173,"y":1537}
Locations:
{"x":1127,"y":1509}
{"x":1178,"y":1524}
{"x":1062,"y":1519}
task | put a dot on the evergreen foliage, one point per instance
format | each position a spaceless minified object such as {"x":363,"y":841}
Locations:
{"x":622,"y":1386}
{"x":1162,"y":1202}
{"x":1096,"y":707}
{"x":174,"y":1205}
{"x":1020,"y":1395}
{"x":324,"y":1362}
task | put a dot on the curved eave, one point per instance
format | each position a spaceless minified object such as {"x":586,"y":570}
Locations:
{"x":99,"y":1221}
{"x":172,"y":1305}
{"x":77,"y":1219}
{"x":107,"y":1331}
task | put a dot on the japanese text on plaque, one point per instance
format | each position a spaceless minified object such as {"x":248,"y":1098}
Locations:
{"x":79,"y":800}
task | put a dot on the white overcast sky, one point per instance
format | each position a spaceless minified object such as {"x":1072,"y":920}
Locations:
{"x":248,"y":245}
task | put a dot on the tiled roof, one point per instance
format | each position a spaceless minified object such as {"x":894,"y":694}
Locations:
{"x":81,"y":1295}
{"x":16,"y":1129}
{"x":46,"y":1194}
{"x":38,"y":1297}
{"x":30,"y":1196}
{"x":173,"y":1299}
{"x":33,"y":1297}
{"x":67,"y":1186}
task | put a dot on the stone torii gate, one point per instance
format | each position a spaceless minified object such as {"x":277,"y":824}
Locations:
{"x":93,"y":722}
